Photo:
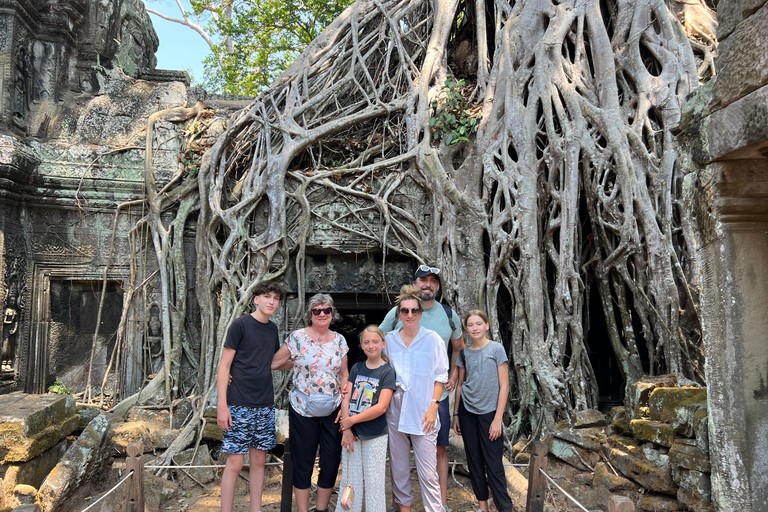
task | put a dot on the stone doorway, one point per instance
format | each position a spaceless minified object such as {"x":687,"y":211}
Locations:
{"x":357,"y":311}
{"x":64,"y":315}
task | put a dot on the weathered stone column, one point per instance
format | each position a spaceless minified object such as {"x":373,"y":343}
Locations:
{"x":725,"y":133}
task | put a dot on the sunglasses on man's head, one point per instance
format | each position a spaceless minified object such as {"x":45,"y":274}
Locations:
{"x":405,"y":311}
{"x":431,"y":270}
{"x":317,"y":311}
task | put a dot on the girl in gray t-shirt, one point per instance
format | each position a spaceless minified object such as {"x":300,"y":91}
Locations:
{"x":481,"y":396}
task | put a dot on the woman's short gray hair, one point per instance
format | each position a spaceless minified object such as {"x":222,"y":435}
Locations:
{"x":317,"y":300}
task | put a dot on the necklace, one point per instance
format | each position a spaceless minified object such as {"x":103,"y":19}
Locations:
{"x":319,"y":337}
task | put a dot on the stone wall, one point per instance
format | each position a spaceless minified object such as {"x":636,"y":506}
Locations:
{"x":724,"y":134}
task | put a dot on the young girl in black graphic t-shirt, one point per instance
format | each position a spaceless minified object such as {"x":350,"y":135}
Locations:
{"x":364,"y":424}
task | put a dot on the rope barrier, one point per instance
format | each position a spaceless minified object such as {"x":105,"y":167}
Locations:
{"x":563,"y":491}
{"x":118,"y":484}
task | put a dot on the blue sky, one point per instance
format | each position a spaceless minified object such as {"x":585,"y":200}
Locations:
{"x":180,"y":47}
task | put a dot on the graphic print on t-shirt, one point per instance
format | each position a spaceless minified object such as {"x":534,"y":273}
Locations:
{"x":364,"y":391}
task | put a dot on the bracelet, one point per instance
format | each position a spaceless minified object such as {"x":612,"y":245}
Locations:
{"x":455,"y":414}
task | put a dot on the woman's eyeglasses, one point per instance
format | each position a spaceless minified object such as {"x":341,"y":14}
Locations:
{"x":427,"y":268}
{"x":317,"y":311}
{"x":405,"y":311}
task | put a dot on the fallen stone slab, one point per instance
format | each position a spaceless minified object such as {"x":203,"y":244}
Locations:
{"x":580,"y":437}
{"x":653,"y":431}
{"x":129,"y":432}
{"x":574,"y":455}
{"x":620,"y":504}
{"x":606,"y":478}
{"x":199,"y":457}
{"x":86,"y":457}
{"x":652,"y":477}
{"x":31,"y":424}
{"x":589,"y":418}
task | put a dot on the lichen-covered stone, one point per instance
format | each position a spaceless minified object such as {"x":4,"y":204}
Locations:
{"x":660,"y":504}
{"x":701,"y":429}
{"x":689,"y":456}
{"x":618,"y":419}
{"x":87,"y":413}
{"x":31,"y":424}
{"x":695,"y":490}
{"x":30,"y":473}
{"x":589,"y":418}
{"x":652,"y":477}
{"x":581,"y":438}
{"x":86,"y":457}
{"x":625,"y":444}
{"x":677,"y":407}
{"x":574,"y":455}
{"x":638,"y":392}
{"x":653,"y":431}
{"x":606,"y":478}
{"x":656,"y":454}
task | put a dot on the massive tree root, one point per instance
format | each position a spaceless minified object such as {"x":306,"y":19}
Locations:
{"x":570,"y":183}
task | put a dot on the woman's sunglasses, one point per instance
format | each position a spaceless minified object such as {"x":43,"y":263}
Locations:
{"x":405,"y":311}
{"x":317,"y":311}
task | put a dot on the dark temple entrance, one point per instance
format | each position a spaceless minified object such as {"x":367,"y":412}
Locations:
{"x":357,"y":311}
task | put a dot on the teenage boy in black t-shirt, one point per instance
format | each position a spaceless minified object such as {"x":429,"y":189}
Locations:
{"x":246,"y":406}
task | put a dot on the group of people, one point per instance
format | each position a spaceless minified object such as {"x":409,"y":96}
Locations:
{"x":397,"y":398}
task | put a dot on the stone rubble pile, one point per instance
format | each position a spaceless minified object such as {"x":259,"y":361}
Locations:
{"x":654,"y":450}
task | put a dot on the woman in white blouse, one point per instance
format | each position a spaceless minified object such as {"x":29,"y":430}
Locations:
{"x":421,"y":363}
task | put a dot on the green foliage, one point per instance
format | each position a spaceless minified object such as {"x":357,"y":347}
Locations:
{"x":453,"y":119}
{"x":59,"y":388}
{"x":258,"y":40}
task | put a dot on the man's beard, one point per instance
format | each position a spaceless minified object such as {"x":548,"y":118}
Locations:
{"x":427,"y":295}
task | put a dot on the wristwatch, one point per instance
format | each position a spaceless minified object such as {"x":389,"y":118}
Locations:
{"x":436,"y":401}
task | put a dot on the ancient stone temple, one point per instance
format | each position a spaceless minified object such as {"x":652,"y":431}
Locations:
{"x":64,"y":168}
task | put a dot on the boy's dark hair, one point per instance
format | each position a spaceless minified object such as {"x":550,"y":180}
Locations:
{"x":269,"y":287}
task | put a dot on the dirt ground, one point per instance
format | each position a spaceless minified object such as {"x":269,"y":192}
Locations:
{"x":460,"y":497}
{"x":182,"y":493}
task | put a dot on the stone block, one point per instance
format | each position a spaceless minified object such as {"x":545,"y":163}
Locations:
{"x":199,"y":457}
{"x":738,"y":130}
{"x":656,"y":454}
{"x":620,"y":504}
{"x":663,"y":403}
{"x":87,"y":413}
{"x":687,"y":455}
{"x":32,"y":472}
{"x":743,"y":59}
{"x":85,"y":458}
{"x":574,"y":455}
{"x":701,"y":429}
{"x":613,"y":482}
{"x":618,"y":419}
{"x":653,"y":431}
{"x":660,"y":504}
{"x":523,"y":458}
{"x":212,"y":432}
{"x":162,"y":439}
{"x":130,"y":431}
{"x":625,"y":444}
{"x":697,"y":485}
{"x":154,"y":419}
{"x":31,"y":424}
{"x":580,"y":438}
{"x":589,"y":418}
{"x":638,"y":392}
{"x":652,"y":477}
{"x":733,"y":12}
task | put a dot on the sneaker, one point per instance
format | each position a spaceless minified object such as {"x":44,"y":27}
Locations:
{"x":394,"y":508}
{"x":447,"y":508}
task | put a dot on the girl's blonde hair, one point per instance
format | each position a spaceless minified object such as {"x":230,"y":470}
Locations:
{"x":475,"y":312}
{"x":375,"y":329}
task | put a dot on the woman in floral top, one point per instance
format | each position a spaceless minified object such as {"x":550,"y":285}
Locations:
{"x":319,"y":359}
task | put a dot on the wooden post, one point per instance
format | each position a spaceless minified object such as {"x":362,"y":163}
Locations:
{"x":537,"y":483}
{"x":286,"y":498}
{"x":134,"y":495}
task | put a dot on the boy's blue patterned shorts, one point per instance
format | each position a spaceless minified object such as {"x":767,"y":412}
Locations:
{"x":251,"y":427}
